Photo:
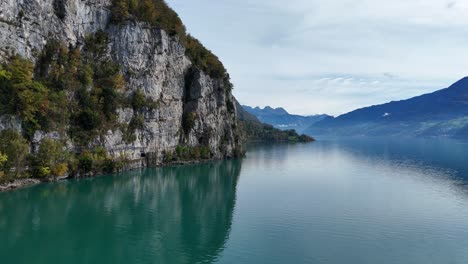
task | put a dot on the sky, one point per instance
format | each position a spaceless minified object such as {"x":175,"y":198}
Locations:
{"x":332,"y":56}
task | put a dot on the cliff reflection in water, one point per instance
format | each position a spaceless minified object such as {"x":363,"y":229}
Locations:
{"x":164,"y":215}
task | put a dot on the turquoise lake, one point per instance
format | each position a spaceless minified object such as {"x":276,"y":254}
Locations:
{"x":356,"y":201}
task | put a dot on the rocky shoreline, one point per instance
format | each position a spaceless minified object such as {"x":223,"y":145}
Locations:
{"x":25,"y":182}
{"x":18,"y":183}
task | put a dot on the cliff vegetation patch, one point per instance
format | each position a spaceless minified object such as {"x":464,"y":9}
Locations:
{"x":159,"y":14}
{"x":72,"y":92}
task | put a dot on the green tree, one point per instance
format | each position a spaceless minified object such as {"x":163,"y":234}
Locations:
{"x":119,"y":10}
{"x":138,"y":100}
{"x":21,"y":95}
{"x":147,"y":11}
{"x":4,"y":75}
{"x":85,"y":162}
{"x":51,"y":159}
{"x":16,"y":148}
{"x":188,"y":121}
{"x":3,"y":159}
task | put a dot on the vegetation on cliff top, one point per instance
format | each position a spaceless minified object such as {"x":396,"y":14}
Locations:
{"x":159,"y":14}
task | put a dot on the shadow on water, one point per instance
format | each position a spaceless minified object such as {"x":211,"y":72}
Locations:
{"x":163,"y":215}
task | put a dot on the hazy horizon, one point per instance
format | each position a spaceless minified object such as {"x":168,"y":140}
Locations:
{"x":314,"y":57}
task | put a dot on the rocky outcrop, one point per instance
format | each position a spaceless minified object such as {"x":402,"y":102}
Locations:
{"x":151,"y":61}
{"x":10,"y":122}
{"x":27,"y":25}
{"x":18,"y":183}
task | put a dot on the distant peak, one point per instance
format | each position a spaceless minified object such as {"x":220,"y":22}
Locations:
{"x":281,"y":110}
{"x":275,"y":111}
{"x":461,"y":84}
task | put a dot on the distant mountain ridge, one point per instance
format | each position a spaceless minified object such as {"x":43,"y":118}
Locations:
{"x":255,"y":130}
{"x":281,"y":119}
{"x":441,"y":113}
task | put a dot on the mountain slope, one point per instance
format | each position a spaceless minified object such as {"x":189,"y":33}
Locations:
{"x":281,"y":119}
{"x":441,"y":113}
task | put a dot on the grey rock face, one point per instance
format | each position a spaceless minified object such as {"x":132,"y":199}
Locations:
{"x":151,"y":61}
{"x":27,"y":25}
{"x":10,"y":122}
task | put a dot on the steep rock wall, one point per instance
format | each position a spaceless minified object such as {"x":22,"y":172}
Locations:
{"x":151,"y":61}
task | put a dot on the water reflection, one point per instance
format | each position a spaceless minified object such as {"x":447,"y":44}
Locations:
{"x":165,"y":215}
{"x":446,"y":156}
{"x":347,"y":201}
{"x":353,"y":201}
{"x":442,"y":153}
{"x":439,"y":160}
{"x":267,"y":154}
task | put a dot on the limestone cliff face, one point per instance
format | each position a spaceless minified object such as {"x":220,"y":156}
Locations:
{"x":151,"y":61}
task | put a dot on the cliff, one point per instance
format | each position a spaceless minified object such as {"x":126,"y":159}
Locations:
{"x":191,"y":107}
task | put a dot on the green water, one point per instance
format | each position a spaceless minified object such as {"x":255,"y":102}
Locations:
{"x":354,"y":201}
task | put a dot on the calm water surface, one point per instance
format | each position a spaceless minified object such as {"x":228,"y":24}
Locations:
{"x":355,"y":201}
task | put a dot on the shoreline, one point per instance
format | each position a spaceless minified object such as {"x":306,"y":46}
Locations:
{"x":18,"y":184}
{"x":27,"y":182}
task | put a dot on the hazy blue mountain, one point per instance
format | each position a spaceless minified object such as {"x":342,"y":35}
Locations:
{"x":255,"y":130}
{"x":441,"y":113}
{"x":281,"y":119}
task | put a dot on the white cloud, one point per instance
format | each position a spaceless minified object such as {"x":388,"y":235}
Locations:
{"x":314,"y":56}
